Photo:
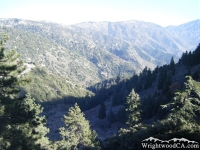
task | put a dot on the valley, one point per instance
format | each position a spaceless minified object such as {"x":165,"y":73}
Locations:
{"x":91,"y":52}
{"x":145,"y":75}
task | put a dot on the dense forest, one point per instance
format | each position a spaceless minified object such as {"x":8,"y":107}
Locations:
{"x":162,"y":103}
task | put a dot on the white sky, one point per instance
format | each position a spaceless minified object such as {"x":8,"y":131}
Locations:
{"x":162,"y":12}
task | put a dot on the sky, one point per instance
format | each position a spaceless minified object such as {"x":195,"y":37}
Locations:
{"x":161,"y":12}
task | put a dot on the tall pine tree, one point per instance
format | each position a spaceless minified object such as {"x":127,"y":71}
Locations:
{"x":133,"y":108}
{"x":77,"y":132}
{"x":21,"y":126}
{"x":10,"y":68}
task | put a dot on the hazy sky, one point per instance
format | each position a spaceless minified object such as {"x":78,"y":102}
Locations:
{"x":162,"y":12}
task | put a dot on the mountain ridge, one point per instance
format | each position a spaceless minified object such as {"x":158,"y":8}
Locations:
{"x":110,"y":48}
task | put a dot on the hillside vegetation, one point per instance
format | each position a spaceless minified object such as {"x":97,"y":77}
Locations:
{"x":48,"y":87}
{"x":94,"y":51}
{"x":129,"y":102}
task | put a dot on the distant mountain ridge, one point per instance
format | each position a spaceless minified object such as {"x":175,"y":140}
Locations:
{"x":189,"y":32}
{"x":105,"y":49}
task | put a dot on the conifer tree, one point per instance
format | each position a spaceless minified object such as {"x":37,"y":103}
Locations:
{"x":133,"y":108}
{"x":172,"y":66}
{"x":77,"y":132}
{"x":184,"y":111}
{"x":10,"y":68}
{"x":28,"y":126}
{"x":21,"y":126}
{"x":162,"y":77}
{"x":166,"y":84}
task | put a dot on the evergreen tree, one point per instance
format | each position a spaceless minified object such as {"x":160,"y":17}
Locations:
{"x":172,"y":66}
{"x":102,"y":111}
{"x":181,"y":120}
{"x":10,"y":80}
{"x":28,"y":129}
{"x":21,"y":126}
{"x":77,"y":132}
{"x":133,"y":108}
{"x":160,"y":82}
{"x":166,"y":85}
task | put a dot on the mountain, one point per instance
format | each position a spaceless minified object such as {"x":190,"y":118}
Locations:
{"x":93,"y":51}
{"x":156,"y":103}
{"x":135,"y":40}
{"x":189,"y":32}
{"x":48,"y":87}
{"x":99,"y":65}
{"x":61,"y":60}
{"x":34,"y":48}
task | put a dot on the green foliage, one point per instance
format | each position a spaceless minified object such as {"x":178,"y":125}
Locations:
{"x":70,"y":58}
{"x":77,"y":132}
{"x":181,"y":120}
{"x":27,"y":129}
{"x":133,"y":108}
{"x":47,"y":86}
{"x":192,"y":58}
{"x":166,"y":84}
{"x":10,"y":68}
{"x":162,"y":77}
{"x":187,"y":102}
{"x":172,"y":66}
{"x":21,"y":125}
{"x":150,"y":106}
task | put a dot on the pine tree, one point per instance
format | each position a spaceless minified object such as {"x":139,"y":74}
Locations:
{"x":162,"y":77}
{"x":21,"y":126}
{"x":133,"y":108}
{"x":102,"y":111}
{"x":28,"y":126}
{"x":172,"y":66}
{"x":166,"y":85}
{"x":184,"y":112}
{"x":77,"y":132}
{"x":10,"y":80}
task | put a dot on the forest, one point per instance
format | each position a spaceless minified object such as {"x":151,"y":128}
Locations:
{"x":160,"y":103}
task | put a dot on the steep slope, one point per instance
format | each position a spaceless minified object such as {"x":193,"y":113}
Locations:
{"x":67,"y":60}
{"x":189,"y":32}
{"x":118,"y":46}
{"x":134,"y":40}
{"x":45,"y":52}
{"x":46,"y":86}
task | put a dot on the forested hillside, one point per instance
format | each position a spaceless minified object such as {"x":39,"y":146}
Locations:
{"x":131,"y":105}
{"x":61,"y":61}
{"x":22,"y":125}
{"x":167,"y":108}
{"x":93,"y":51}
{"x":48,"y":87}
